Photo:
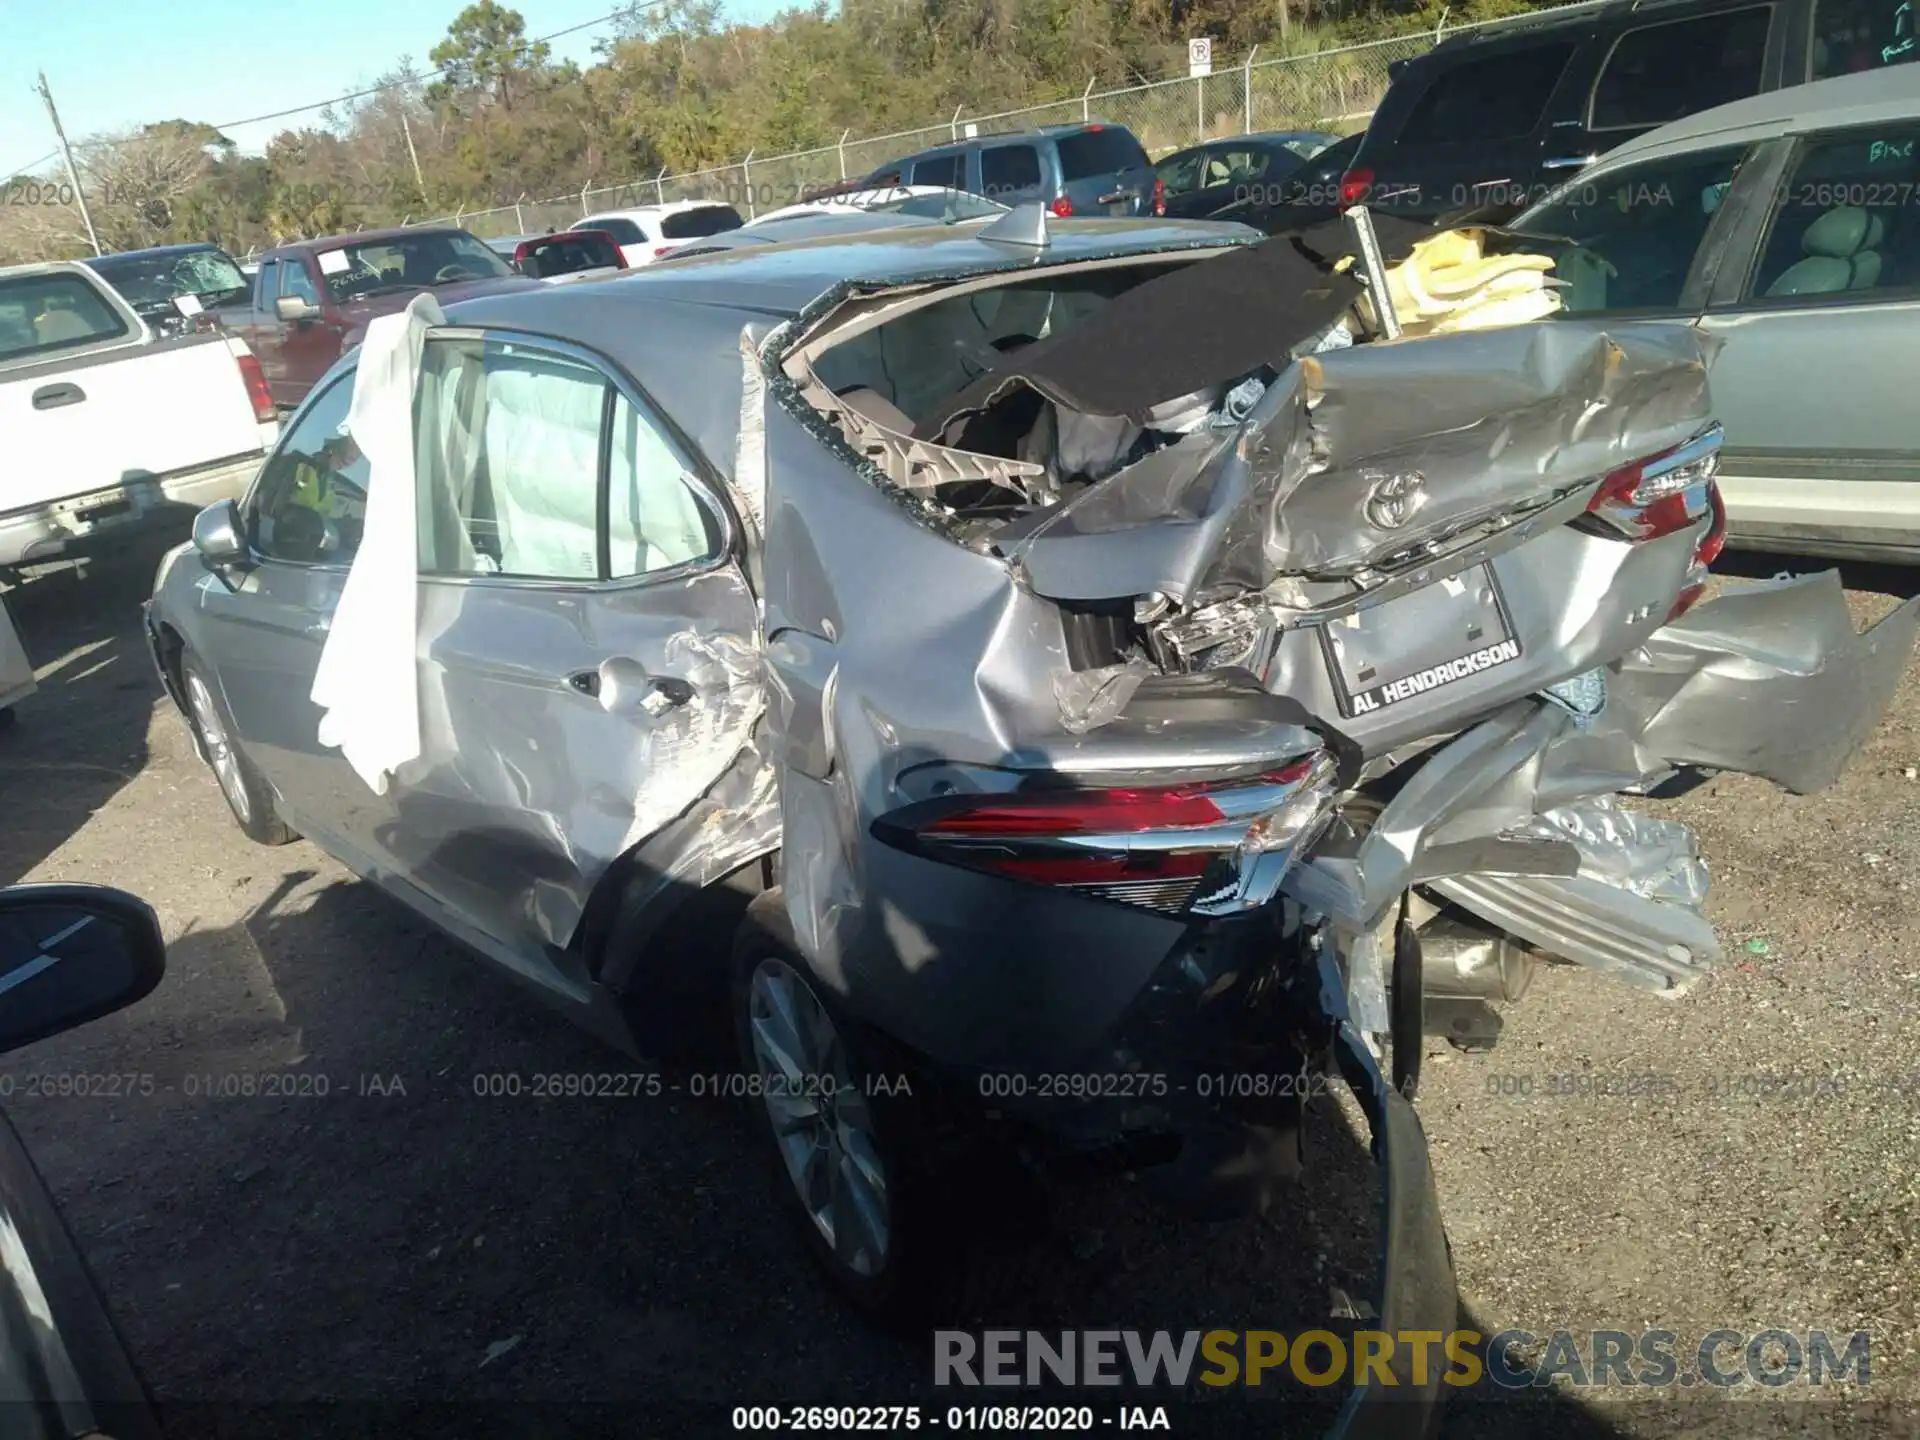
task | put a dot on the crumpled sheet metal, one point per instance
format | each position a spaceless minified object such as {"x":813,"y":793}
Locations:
{"x":1092,"y":698}
{"x":1768,"y":679}
{"x":1650,"y":857}
{"x":1490,"y":422}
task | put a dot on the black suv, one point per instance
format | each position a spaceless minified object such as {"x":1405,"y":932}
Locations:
{"x":1091,"y":169}
{"x":1494,"y":119}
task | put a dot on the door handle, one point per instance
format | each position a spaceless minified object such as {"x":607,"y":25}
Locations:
{"x":622,"y":685}
{"x":52,"y":397}
{"x":1568,"y":162}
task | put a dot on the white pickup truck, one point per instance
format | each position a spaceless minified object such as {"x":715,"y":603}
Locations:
{"x":104,"y":429}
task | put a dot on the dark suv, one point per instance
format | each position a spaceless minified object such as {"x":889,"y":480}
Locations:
{"x":1093,"y":169}
{"x":1494,"y":119}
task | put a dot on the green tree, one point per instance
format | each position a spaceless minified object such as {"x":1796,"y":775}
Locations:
{"x":487,"y":49}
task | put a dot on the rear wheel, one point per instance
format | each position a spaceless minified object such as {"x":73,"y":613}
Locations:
{"x":246,"y":792}
{"x":883,"y":1199}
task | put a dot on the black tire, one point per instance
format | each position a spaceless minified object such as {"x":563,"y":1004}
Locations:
{"x":937,"y":1264}
{"x":248,"y":796}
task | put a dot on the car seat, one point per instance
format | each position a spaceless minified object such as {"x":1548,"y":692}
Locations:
{"x":1842,"y":254}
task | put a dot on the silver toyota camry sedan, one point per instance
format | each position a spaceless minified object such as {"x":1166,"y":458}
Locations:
{"x":939,"y":625}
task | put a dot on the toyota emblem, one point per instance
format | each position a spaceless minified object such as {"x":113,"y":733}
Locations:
{"x":1396,"y":498}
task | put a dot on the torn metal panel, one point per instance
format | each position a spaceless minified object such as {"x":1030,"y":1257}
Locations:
{"x":555,"y":738}
{"x":1768,"y":679}
{"x":1365,"y":461}
{"x":1653,"y":858}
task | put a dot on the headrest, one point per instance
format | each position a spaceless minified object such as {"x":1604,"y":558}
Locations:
{"x":1842,"y":231}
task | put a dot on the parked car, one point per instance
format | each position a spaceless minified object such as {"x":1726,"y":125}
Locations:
{"x":564,"y":255}
{"x":594,"y":801}
{"x":1195,"y":182}
{"x":171,"y":286}
{"x":69,"y":954}
{"x":645,"y":233}
{"x":1783,"y":226}
{"x":109,"y":431}
{"x":1500,"y":115}
{"x":311,"y":295}
{"x":16,"y":670}
{"x":1311,"y":195}
{"x":916,"y":202}
{"x":1090,"y":169}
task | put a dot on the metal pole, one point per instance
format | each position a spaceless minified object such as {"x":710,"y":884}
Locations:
{"x":414,"y":155}
{"x":1085,"y":96}
{"x":73,"y":171}
{"x":843,"y":152}
{"x":1441,"y":28}
{"x":460,"y":218}
{"x":659,"y":186}
{"x":1199,"y":109}
{"x":1247,"y":94}
{"x":746,"y":175}
{"x":954,"y":124}
{"x":583,"y":197}
{"x":519,"y":220}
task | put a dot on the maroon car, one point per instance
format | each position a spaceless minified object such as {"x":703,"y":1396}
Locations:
{"x":311,"y":296}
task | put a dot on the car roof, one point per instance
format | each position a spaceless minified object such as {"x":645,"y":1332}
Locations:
{"x":1891,"y":94}
{"x":783,"y":279}
{"x":363,"y":237}
{"x":1259,"y":137}
{"x":671,"y":207}
{"x":151,"y":250}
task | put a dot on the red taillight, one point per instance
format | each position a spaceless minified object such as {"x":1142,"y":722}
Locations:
{"x":1715,"y":540}
{"x":1663,"y":493}
{"x":1354,"y":186}
{"x":1063,"y":207}
{"x":1142,"y":845}
{"x":660,"y":250}
{"x":1159,"y":197}
{"x":257,"y":389}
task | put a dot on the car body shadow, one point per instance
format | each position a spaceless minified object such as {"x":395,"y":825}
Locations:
{"x":76,"y":743}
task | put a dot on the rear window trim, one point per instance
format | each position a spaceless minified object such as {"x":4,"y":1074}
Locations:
{"x":1600,"y":72}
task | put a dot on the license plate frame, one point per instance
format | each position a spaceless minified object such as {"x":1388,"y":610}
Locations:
{"x":1460,"y":626}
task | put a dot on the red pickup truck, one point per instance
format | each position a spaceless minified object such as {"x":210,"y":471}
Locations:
{"x":309,"y":297}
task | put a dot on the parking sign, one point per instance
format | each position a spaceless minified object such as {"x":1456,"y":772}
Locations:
{"x":1199,"y":58}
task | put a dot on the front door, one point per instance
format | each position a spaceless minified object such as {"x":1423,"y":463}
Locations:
{"x":265,"y":625}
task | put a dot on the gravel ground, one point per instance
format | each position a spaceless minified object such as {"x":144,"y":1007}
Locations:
{"x":503,"y":1262}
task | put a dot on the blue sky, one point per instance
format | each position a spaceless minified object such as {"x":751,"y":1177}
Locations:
{"x":114,"y":64}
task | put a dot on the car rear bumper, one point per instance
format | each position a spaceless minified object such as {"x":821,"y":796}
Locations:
{"x":41,"y":534}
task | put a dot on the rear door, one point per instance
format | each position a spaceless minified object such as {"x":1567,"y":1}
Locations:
{"x":589,"y":647}
{"x":635,"y":247}
{"x":1103,"y":171}
{"x":1820,"y":321}
{"x":1010,"y":173}
{"x":1663,"y":70}
{"x":87,"y":403}
{"x":1470,"y":133}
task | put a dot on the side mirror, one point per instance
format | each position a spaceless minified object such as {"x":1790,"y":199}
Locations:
{"x":70,"y":954}
{"x":218,"y":535}
{"x":292,"y":308}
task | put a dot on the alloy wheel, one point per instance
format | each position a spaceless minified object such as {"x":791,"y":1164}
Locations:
{"x":220,"y":752}
{"x":822,"y":1120}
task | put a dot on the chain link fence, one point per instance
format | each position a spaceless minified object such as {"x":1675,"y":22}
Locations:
{"x":1333,"y":90}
